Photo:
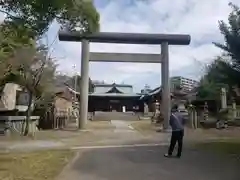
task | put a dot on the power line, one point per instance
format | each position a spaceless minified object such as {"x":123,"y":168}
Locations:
{"x":49,"y":47}
{"x":54,"y":40}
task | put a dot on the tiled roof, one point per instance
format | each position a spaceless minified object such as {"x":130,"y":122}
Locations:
{"x":159,"y":89}
{"x":113,"y":95}
{"x":112,"y":85}
{"x":63,"y":88}
{"x":113,"y":88}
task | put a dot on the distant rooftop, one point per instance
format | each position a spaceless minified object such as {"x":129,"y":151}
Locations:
{"x":111,"y":85}
{"x":113,"y":88}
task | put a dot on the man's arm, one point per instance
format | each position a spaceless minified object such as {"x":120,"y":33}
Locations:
{"x":184,"y":120}
{"x":171,"y":120}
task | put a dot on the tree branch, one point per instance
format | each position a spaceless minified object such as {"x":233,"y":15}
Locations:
{"x":7,"y":13}
{"x":40,"y":73}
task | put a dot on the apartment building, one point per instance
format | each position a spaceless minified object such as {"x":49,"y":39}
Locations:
{"x":185,"y":84}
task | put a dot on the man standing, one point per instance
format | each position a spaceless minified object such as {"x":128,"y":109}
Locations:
{"x":177,"y":125}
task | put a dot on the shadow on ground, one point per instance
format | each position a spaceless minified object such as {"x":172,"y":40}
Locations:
{"x":148,"y":163}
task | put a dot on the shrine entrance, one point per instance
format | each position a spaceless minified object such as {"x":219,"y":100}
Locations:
{"x":126,"y":38}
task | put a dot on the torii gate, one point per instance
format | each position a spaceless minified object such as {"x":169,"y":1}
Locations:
{"x":126,"y":38}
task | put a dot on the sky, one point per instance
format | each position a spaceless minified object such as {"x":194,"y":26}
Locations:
{"x":194,"y":17}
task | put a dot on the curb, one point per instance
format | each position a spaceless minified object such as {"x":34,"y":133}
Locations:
{"x":67,"y":167}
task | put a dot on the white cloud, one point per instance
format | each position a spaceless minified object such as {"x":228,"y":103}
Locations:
{"x":194,"y":17}
{"x":2,"y":16}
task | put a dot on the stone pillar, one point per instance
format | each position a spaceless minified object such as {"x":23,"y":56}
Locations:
{"x":191,"y":116}
{"x":146,"y":109}
{"x":234,"y":110}
{"x":205,"y":112}
{"x":157,"y":108}
{"x":195,"y":119}
{"x":166,"y":99}
{"x":84,"y":85}
{"x":223,"y":98}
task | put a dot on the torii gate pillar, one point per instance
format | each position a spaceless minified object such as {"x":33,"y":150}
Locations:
{"x":84,"y":85}
{"x":166,"y":94}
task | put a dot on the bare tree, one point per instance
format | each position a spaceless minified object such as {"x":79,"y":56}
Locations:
{"x":36,"y":74}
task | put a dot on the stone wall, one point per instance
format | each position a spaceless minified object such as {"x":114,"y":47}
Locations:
{"x":13,"y":97}
{"x":14,"y":124}
{"x":8,"y":96}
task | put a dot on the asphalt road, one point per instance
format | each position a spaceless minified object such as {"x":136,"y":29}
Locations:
{"x":148,"y":163}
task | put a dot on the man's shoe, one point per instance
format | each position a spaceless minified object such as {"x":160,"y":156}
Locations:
{"x":167,"y":155}
{"x":177,"y":156}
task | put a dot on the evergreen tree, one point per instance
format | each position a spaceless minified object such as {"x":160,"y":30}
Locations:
{"x":224,"y":71}
{"x":228,"y":67}
{"x":37,"y":15}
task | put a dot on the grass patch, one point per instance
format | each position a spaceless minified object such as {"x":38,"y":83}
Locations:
{"x":41,"y":165}
{"x":230,"y":147}
{"x":44,"y":135}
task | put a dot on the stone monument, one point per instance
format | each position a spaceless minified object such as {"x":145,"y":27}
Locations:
{"x":223,"y":113}
{"x":234,"y":110}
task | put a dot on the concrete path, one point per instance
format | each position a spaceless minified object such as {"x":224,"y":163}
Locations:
{"x":148,"y":163}
{"x":122,"y":126}
{"x":122,"y":134}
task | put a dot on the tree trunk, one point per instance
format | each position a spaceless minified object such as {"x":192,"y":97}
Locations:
{"x":28,"y":114}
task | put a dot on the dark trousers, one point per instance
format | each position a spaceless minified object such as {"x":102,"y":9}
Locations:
{"x":177,"y":136}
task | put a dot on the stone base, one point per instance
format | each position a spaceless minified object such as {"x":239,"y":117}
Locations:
{"x":167,"y":130}
{"x":161,"y":129}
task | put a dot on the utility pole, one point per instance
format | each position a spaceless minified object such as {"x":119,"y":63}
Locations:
{"x":75,"y":104}
{"x":75,"y":84}
{"x":75,"y":87}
